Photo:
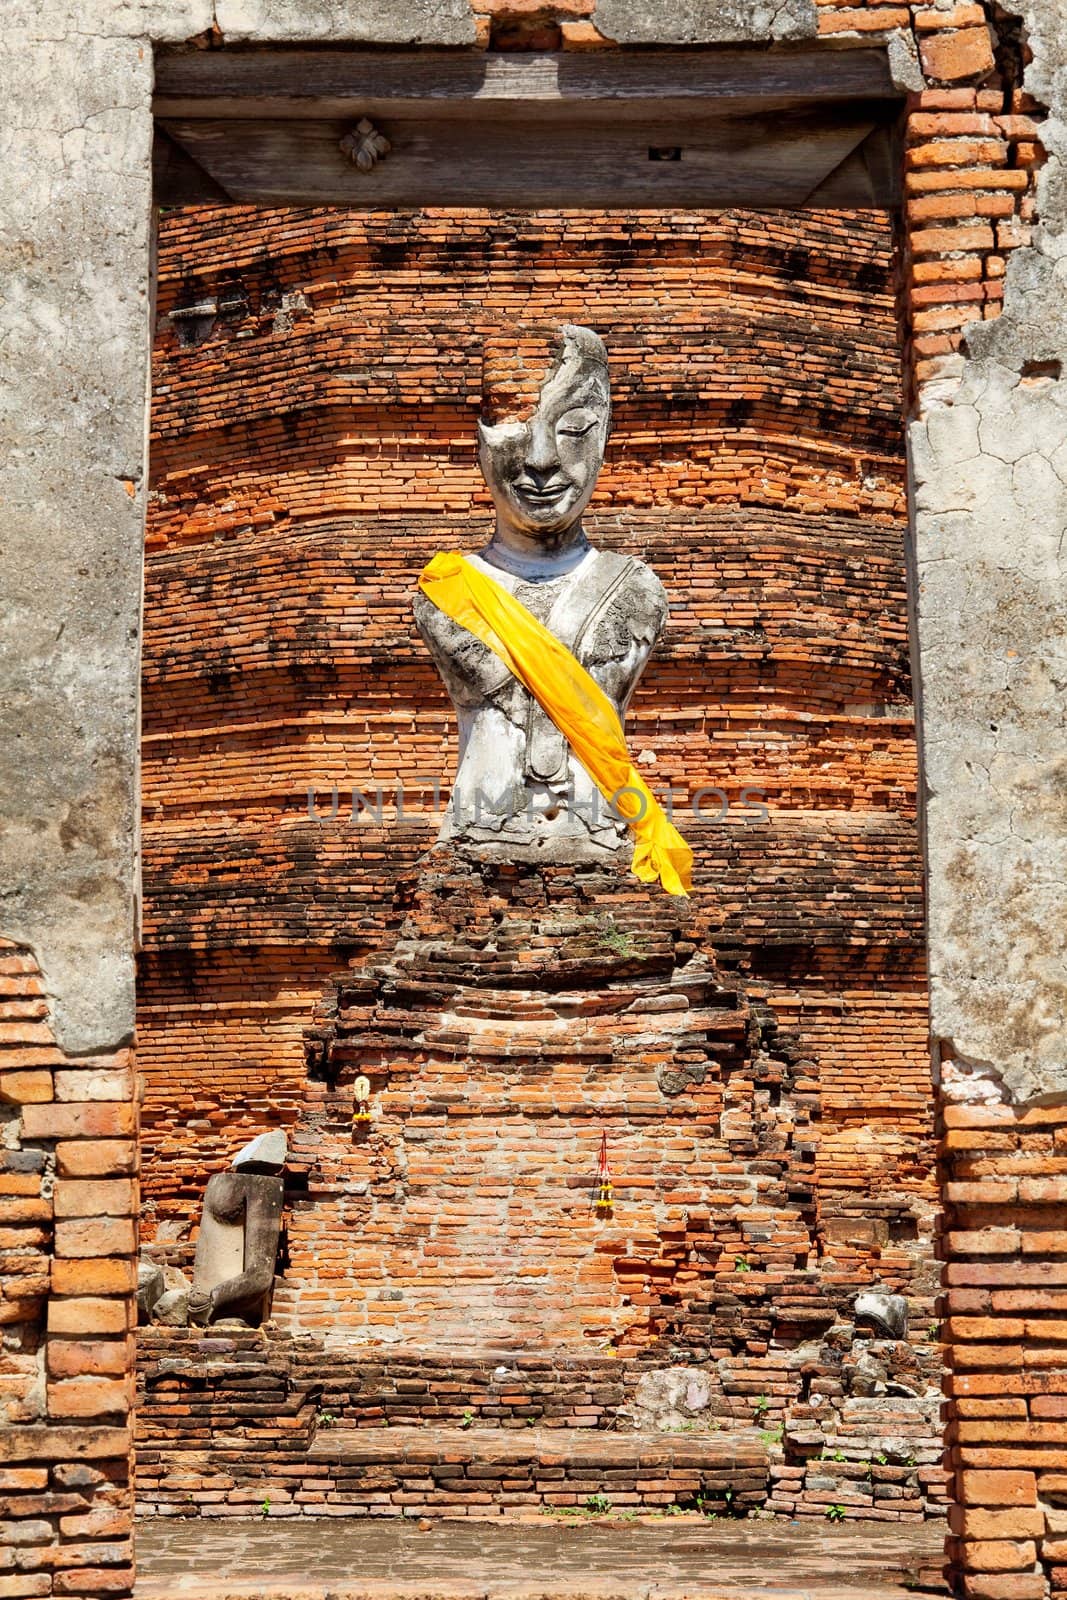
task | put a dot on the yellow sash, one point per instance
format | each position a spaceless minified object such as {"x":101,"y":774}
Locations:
{"x":576,"y":703}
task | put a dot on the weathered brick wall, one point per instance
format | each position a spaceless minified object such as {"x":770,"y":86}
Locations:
{"x":1005,"y":1245}
{"x":965,"y":50}
{"x":313,"y":444}
{"x":972,"y":146}
{"x":68,"y":1167}
{"x":970,"y":161}
{"x":756,"y":463}
{"x":231,"y":1419}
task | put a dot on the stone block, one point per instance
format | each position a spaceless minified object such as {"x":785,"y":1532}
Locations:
{"x":402,"y":22}
{"x":149,"y":1288}
{"x":172,"y":1309}
{"x":697,"y":22}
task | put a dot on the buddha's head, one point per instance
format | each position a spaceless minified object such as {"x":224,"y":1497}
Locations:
{"x":546,"y":412}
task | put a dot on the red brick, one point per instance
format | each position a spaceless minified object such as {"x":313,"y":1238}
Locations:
{"x":93,"y":1277}
{"x":936,"y":19}
{"x":1000,"y":1488}
{"x":1005,"y":1586}
{"x":1019,"y":1522}
{"x":16,"y":1479}
{"x":880,"y":19}
{"x":97,"y":1157}
{"x":93,"y":1121}
{"x":115,"y":1197}
{"x":983,"y":1555}
{"x":89,"y":1397}
{"x":88,"y":1315}
{"x":102,"y":1236}
{"x":22,"y":1088}
{"x":76,"y":1358}
{"x":951,"y":56}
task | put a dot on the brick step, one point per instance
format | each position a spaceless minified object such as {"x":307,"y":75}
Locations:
{"x":478,"y":1471}
{"x":592,"y":1558}
{"x":491,"y":1388}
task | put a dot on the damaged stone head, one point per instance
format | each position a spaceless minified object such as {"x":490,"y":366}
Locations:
{"x":546,"y":413}
{"x":520,"y":792}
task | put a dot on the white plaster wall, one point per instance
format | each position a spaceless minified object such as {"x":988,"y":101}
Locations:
{"x":989,"y":488}
{"x":75,"y":140}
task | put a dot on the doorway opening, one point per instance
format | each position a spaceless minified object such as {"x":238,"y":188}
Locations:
{"x":316,"y":392}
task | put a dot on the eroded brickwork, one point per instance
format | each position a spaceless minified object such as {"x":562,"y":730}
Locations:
{"x":756,"y":464}
{"x":1005,"y":1245}
{"x":972,"y":144}
{"x":317,"y":385}
{"x":106,"y":64}
{"x":68,"y":1163}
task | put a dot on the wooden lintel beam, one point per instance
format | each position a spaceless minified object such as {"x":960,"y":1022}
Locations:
{"x":337,"y":81}
{"x":179,"y":180}
{"x":759,"y":161}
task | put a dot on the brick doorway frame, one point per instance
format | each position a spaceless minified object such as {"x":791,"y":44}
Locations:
{"x":988,"y":453}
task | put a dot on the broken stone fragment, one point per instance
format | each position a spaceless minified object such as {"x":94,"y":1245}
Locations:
{"x":674,"y":1080}
{"x":149,"y":1288}
{"x":172,"y":1309}
{"x":265,"y":1153}
{"x":887,"y":1312}
{"x":868,"y":1376}
{"x":669,"y":1398}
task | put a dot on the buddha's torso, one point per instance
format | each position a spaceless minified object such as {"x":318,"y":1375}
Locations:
{"x":516,"y":772}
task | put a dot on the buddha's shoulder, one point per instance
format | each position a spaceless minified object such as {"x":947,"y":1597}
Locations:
{"x":433,"y":623}
{"x":628,"y":581}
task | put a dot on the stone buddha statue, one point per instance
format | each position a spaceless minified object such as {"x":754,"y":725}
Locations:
{"x":520,"y":793}
{"x":239,"y":1231}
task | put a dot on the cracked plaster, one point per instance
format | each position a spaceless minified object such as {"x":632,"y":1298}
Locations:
{"x":989,"y":494}
{"x":699,"y":22}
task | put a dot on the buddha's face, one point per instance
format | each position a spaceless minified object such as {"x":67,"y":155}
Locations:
{"x":541,"y":469}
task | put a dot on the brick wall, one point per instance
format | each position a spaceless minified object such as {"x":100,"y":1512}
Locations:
{"x":972,"y":147}
{"x":971,"y":155}
{"x":327,"y":407}
{"x":231,"y":1419}
{"x":68,"y":1163}
{"x":1005,"y":1245}
{"x":313,"y":444}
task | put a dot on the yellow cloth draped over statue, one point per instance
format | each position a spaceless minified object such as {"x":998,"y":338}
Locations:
{"x":575,"y":702}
